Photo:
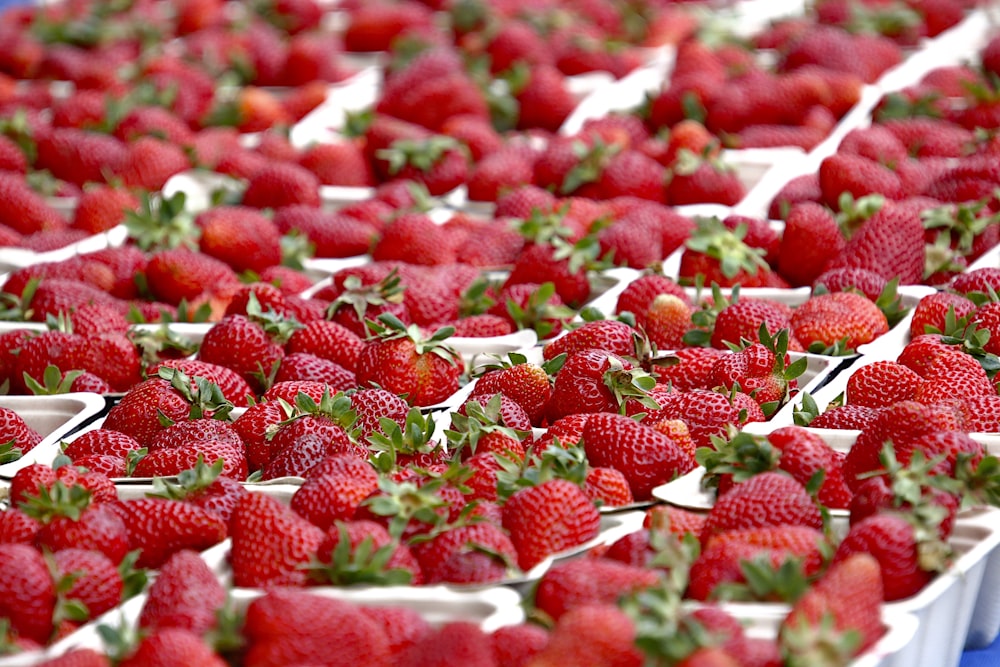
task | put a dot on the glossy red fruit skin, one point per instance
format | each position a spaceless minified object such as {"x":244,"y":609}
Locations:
{"x":890,"y":539}
{"x":646,"y":457}
{"x":29,"y":594}
{"x":270,"y":543}
{"x":162,"y":527}
{"x":186,"y":594}
{"x":548,"y":518}
{"x":585,"y":581}
{"x":395,"y":365}
{"x":579,"y":386}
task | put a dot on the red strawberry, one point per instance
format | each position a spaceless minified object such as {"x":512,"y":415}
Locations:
{"x":161,"y":527}
{"x":240,"y":237}
{"x":544,"y":100}
{"x":96,"y":583}
{"x":186,"y":594}
{"x":403,"y":362}
{"x":894,"y":542}
{"x":744,"y":319}
{"x":29,"y":594}
{"x":767,"y":499}
{"x":333,"y":490}
{"x":849,"y":595}
{"x":603,"y":634}
{"x":811,"y":239}
{"x":181,"y":274}
{"x":172,"y":646}
{"x":841,"y":320}
{"x":149,"y":163}
{"x":401,"y":565}
{"x":282,"y":184}
{"x":718,"y":255}
{"x":881,"y":384}
{"x":588,"y":581}
{"x":270,"y":543}
{"x":930,"y":315}
{"x":592,"y":380}
{"x":438,"y":162}
{"x":890,"y":244}
{"x":548,"y":518}
{"x":288,"y":626}
{"x":646,"y":458}
{"x":23,"y":210}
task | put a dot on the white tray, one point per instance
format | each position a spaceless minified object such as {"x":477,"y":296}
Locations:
{"x":53,"y":417}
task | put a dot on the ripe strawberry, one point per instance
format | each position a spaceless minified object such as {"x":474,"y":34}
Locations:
{"x":353,"y":568}
{"x":288,"y":626}
{"x":439,"y":163}
{"x":78,"y":657}
{"x":603,"y":634}
{"x":758,"y":369}
{"x":715,"y":254}
{"x":857,"y":175}
{"x":414,"y":238}
{"x":282,"y":184}
{"x":181,"y":274}
{"x":895,"y":544}
{"x":588,"y":581}
{"x":16,"y":436}
{"x":743,"y":320}
{"x":270,"y":543}
{"x":930,"y":315}
{"x":722,"y":563}
{"x":79,"y":156}
{"x":241,"y":237}
{"x":592,"y":380}
{"x":638,"y":296}
{"x":403,"y":362}
{"x":233,"y":387}
{"x":502,"y":171}
{"x":161,"y":527}
{"x":646,"y":458}
{"x":516,"y":645}
{"x":96,"y":581}
{"x":953,"y":373}
{"x":29,"y":594}
{"x":849,"y":596}
{"x":450,"y":557}
{"x":70,"y":518}
{"x":23,"y":210}
{"x":149,"y":163}
{"x":881,"y":384}
{"x":904,"y":424}
{"x":851,"y":417}
{"x":186,"y":594}
{"x":767,"y":499}
{"x":890,"y":243}
{"x":704,"y":182}
{"x":811,"y":239}
{"x":251,"y":347}
{"x":611,"y":335}
{"x":333,"y":490}
{"x":803,"y":454}
{"x":544,"y":100}
{"x":527,"y":384}
{"x":172,"y":646}
{"x":839,"y":320}
{"x":548,"y":518}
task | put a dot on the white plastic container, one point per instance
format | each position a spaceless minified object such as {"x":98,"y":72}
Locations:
{"x":53,"y":417}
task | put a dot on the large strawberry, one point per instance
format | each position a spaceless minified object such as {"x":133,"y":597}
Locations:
{"x":548,"y":518}
{"x":270,"y":543}
{"x":399,"y":359}
{"x":890,"y":243}
{"x":29,"y":597}
{"x":645,"y":457}
{"x":595,"y":380}
{"x":160,"y":527}
{"x":186,"y":594}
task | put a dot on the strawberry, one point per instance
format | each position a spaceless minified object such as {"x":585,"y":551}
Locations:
{"x":438,"y":162}
{"x":594,"y":380}
{"x":890,"y":243}
{"x":903,"y":423}
{"x":616,"y":337}
{"x":185,"y":594}
{"x":233,"y":387}
{"x":70,"y":518}
{"x":416,"y":239}
{"x":645,"y":457}
{"x":172,"y":646}
{"x":270,"y":543}
{"x":638,"y":296}
{"x":544,"y":100}
{"x":724,"y":563}
{"x":849,"y":596}
{"x":78,"y":657}
{"x":23,"y":210}
{"x":282,"y":184}
{"x":17,"y":437}
{"x":858,"y":176}
{"x":181,"y":274}
{"x":516,"y":645}
{"x":743,"y":319}
{"x":288,"y":626}
{"x":759,"y":369}
{"x":597,"y":634}
{"x":953,"y":373}
{"x":161,"y":527}
{"x":715,"y":254}
{"x":532,"y":514}
{"x":767,"y":499}
{"x":499,"y":172}
{"x":852,"y":417}
{"x":811,"y":239}
{"x":527,"y":384}
{"x":96,"y":582}
{"x":588,"y":581}
{"x":80,"y":157}
{"x":403,"y":362}
{"x":701,"y":182}
{"x":170,"y":396}
{"x":102,"y":207}
{"x":931,"y":312}
{"x":333,"y":234}
{"x":371,"y":405}
{"x":202,"y":485}
{"x":29,"y":597}
{"x":345,"y":567}
{"x":251,"y":347}
{"x":333,"y":490}
{"x":171,"y":461}
{"x":240,"y":237}
{"x":897,"y":545}
{"x":452,"y":555}
{"x":837,"y":321}
{"x":803,"y":454}
{"x":706,"y":413}
{"x":149,"y":163}
{"x":881,"y":384}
